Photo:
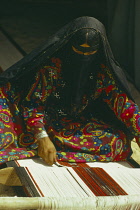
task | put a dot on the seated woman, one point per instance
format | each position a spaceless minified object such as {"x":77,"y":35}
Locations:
{"x":68,"y":100}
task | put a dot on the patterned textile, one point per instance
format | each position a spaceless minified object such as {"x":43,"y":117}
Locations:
{"x":82,"y":139}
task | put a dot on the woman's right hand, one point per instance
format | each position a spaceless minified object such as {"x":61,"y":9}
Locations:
{"x":46,"y":150}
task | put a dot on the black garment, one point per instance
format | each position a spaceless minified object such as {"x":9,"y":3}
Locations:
{"x":21,"y":74}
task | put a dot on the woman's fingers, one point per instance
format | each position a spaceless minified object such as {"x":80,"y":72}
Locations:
{"x":47,"y":151}
{"x":51,"y":158}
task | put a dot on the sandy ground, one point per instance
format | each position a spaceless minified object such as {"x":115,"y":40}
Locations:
{"x":136,"y":151}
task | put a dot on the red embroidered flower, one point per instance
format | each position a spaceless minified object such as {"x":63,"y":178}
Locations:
{"x":109,"y":88}
{"x":128,"y":113}
{"x":100,"y":90}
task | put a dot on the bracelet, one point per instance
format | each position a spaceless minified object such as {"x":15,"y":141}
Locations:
{"x":40,"y":135}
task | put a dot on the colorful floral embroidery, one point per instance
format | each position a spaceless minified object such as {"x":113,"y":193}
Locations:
{"x":78,"y":140}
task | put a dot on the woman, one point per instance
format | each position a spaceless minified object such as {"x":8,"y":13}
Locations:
{"x":68,"y":100}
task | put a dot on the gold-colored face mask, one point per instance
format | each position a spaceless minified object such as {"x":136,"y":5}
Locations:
{"x":83,"y":53}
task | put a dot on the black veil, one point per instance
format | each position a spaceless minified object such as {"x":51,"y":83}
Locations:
{"x":30,"y":64}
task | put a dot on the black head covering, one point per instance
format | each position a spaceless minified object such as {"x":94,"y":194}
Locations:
{"x":80,"y":61}
{"x":31,"y":63}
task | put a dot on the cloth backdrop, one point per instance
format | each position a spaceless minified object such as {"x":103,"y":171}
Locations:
{"x":124,"y":33}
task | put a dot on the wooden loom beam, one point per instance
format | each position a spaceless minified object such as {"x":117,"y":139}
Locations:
{"x":96,"y":203}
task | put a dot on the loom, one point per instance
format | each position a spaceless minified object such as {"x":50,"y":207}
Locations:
{"x":74,"y":186}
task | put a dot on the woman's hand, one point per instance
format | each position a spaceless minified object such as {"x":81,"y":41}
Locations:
{"x":46,"y":150}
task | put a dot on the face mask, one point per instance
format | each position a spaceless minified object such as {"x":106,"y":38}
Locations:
{"x":86,"y":42}
{"x":84,"y":51}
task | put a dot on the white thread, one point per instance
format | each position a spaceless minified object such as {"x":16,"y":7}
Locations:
{"x":64,"y":182}
{"x":42,"y":134}
{"x":126,"y":176}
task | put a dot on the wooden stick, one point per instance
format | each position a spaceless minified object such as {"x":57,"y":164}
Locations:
{"x":9,"y":177}
{"x":96,"y":203}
